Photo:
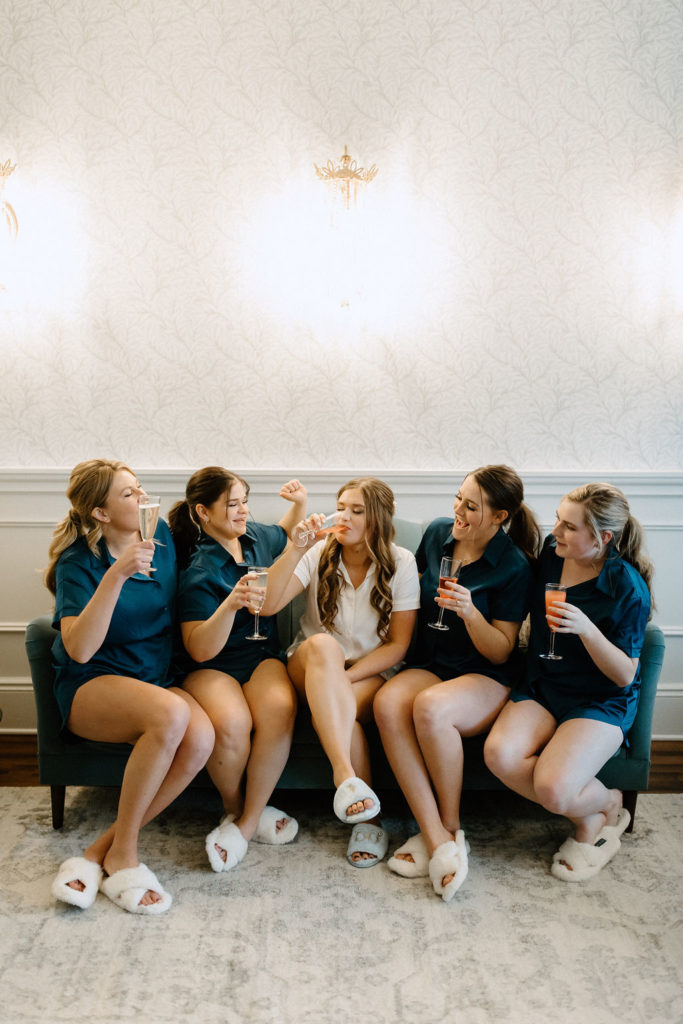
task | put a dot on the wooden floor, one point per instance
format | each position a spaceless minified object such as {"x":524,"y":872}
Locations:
{"x":19,"y":764}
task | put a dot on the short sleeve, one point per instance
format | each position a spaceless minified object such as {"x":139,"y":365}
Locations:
{"x":75,"y":587}
{"x":198,"y":597}
{"x":510,"y":601}
{"x":406,"y":584}
{"x":633,"y":613}
{"x":308,"y":566}
{"x":271,"y":538}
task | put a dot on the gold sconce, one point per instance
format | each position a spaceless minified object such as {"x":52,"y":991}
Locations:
{"x":345,"y":177}
{"x":8,"y":215}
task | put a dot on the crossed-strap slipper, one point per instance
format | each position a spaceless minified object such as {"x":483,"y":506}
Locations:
{"x":267,"y":830}
{"x":126,"y":888}
{"x":77,"y":869}
{"x":575,"y":862}
{"x":449,"y":859}
{"x":367,"y":838}
{"x":229,"y":838}
{"x":418,"y":867}
{"x":355,"y":791}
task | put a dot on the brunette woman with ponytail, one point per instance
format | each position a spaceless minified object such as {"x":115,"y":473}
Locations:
{"x":241,"y":683}
{"x":571,"y":714}
{"x":113,"y":675}
{"x":458,"y":680}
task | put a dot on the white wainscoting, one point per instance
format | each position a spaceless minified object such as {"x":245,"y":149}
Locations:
{"x":31,"y":502}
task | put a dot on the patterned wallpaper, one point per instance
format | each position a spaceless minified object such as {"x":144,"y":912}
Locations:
{"x":509,"y":288}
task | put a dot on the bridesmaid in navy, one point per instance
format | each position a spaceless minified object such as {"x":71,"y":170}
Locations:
{"x":241,"y":683}
{"x":114,"y":681}
{"x":570,"y":715}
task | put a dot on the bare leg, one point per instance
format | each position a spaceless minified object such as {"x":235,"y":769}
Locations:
{"x":555,"y":766}
{"x":224,"y":701}
{"x":512,"y":747}
{"x":394,"y":716}
{"x":272,"y":702}
{"x":318,"y":673}
{"x":443,"y":714}
{"x":565,"y":781}
{"x":171,"y":738}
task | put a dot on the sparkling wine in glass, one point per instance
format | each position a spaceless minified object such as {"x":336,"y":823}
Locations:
{"x":330,"y":524}
{"x":553,"y":592}
{"x":148,"y":517}
{"x":258,"y":580}
{"x":449,"y":570}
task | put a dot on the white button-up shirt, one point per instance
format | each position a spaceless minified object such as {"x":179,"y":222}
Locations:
{"x":356,"y":620}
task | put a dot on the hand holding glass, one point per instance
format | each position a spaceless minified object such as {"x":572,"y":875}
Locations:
{"x":330,"y":524}
{"x":553,"y":592}
{"x":450,"y":567}
{"x":148,"y":517}
{"x":259,"y":583}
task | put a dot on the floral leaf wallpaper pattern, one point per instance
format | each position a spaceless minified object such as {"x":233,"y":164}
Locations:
{"x":181,"y":293}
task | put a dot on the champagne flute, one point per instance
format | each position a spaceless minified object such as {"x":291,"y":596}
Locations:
{"x":330,"y":524}
{"x":553,"y":592}
{"x":259,"y":582}
{"x":449,"y":570}
{"x":148,"y":517}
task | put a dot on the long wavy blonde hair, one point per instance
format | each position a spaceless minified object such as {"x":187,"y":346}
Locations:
{"x":379,"y":535}
{"x":89,"y":486}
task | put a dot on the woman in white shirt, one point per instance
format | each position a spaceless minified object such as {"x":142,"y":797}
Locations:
{"x":362,"y":599}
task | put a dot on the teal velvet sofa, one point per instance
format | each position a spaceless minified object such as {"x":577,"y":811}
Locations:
{"x":87,"y":763}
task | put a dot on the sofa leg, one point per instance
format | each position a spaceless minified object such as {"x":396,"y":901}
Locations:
{"x":57,"y":797}
{"x":630,"y":797}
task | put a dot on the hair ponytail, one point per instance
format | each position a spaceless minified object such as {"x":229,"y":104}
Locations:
{"x":186,"y":532}
{"x":204,"y":487}
{"x":88,"y":489}
{"x":606,"y":510}
{"x":505,"y":492}
{"x":525,"y":532}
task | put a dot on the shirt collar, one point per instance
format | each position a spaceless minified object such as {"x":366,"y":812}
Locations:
{"x":602,"y":581}
{"x":211,"y":549}
{"x":494,"y":549}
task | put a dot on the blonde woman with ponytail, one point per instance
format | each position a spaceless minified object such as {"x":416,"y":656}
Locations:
{"x":362,"y":594}
{"x":457,"y":680}
{"x":113,"y":676}
{"x":570,"y":715}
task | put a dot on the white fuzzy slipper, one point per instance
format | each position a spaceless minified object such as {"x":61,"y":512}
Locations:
{"x":126,"y":888}
{"x":229,"y":838}
{"x":367,"y":838}
{"x":353,"y":791}
{"x":419,"y":866}
{"x":268,"y":832}
{"x":575,"y":862}
{"x":449,"y":859}
{"x":81,"y":870}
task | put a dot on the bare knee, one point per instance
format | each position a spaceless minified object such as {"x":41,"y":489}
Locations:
{"x":552,"y":792}
{"x":429,"y":713}
{"x":233,"y":729}
{"x":277,"y":711}
{"x":499,"y":756}
{"x":322,"y":649}
{"x":169,"y":720}
{"x":391,"y":706}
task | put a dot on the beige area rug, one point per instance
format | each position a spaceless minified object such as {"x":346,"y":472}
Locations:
{"x":295,"y":935}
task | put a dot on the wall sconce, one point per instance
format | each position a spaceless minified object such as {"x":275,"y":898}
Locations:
{"x":9,"y":217}
{"x":345,"y":177}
